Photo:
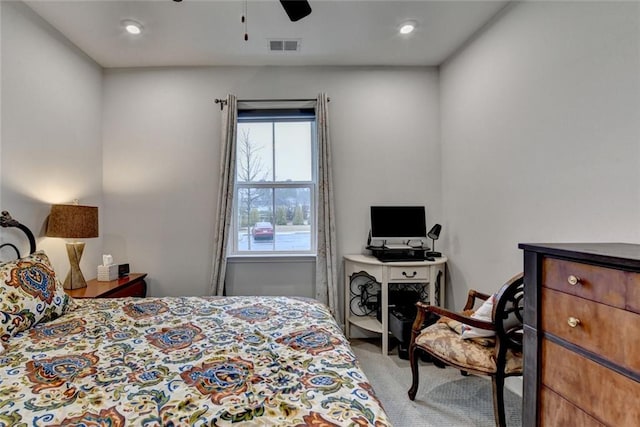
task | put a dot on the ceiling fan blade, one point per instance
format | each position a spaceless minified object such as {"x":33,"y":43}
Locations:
{"x":296,"y":9}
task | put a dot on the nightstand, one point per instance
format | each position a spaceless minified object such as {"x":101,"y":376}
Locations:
{"x":132,"y":285}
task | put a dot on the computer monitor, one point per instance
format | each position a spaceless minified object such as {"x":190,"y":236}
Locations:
{"x":398,"y":222}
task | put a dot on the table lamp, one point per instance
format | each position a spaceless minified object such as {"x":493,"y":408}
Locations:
{"x":73,"y":222}
{"x":434,"y":234}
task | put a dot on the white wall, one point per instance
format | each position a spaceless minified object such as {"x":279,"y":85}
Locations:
{"x":50,"y":132}
{"x":161,"y":156}
{"x":540,"y":142}
{"x":540,"y":136}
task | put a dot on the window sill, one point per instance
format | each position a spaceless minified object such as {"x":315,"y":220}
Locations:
{"x":271,"y":258}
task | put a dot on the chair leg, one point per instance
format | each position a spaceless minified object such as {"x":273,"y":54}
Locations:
{"x":498,"y":399}
{"x":413,"y":361}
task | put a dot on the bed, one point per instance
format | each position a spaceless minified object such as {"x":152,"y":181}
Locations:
{"x":173,"y":361}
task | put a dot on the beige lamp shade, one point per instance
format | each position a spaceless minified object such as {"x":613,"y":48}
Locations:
{"x":73,"y":222}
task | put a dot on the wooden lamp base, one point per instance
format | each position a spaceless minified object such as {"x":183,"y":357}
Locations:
{"x":75,"y":279}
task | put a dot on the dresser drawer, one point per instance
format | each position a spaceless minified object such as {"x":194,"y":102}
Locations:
{"x":556,"y":411}
{"x":610,"y":397}
{"x":408,"y":274}
{"x":633,"y":292}
{"x":610,"y":332}
{"x":594,"y":283}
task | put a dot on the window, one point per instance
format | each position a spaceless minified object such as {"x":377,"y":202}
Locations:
{"x":275,"y":185}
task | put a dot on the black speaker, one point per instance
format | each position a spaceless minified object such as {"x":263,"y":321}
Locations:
{"x":296,"y":9}
{"x":123,"y":270}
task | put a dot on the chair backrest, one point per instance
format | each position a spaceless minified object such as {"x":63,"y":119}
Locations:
{"x":508,"y":312}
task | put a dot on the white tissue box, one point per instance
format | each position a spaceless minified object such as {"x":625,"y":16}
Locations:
{"x":107,"y":273}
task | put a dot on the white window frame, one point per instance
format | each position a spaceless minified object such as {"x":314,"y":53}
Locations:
{"x":273,"y":185}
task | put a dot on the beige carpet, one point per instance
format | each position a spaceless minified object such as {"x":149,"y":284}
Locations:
{"x":445,"y":398}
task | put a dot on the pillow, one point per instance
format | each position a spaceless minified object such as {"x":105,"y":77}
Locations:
{"x":456,"y":327}
{"x":483,"y":313}
{"x":29,"y":294}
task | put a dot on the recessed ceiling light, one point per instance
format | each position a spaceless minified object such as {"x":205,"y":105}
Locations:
{"x":132,"y":27}
{"x":407,"y":27}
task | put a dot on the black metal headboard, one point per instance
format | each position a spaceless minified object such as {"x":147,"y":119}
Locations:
{"x":7,"y":221}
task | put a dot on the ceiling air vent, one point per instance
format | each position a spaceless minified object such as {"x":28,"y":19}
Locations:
{"x":290,"y":45}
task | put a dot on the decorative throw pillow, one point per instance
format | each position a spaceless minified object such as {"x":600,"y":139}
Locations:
{"x":456,"y":327}
{"x":483,"y":313}
{"x":29,"y":294}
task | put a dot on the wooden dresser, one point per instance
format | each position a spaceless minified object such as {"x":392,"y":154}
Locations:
{"x":581,"y":335}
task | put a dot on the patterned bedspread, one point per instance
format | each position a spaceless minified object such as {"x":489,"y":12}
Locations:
{"x":215,"y":361}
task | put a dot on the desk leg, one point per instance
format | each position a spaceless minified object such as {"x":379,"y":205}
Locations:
{"x":441,"y":282}
{"x":385,"y":317}
{"x":347,"y":302}
{"x":436,"y":297}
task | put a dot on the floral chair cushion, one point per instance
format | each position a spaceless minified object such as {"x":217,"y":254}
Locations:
{"x":29,"y":294}
{"x":446,"y":344}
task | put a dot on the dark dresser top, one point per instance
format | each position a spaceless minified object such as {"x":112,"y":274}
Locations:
{"x":626,"y":255}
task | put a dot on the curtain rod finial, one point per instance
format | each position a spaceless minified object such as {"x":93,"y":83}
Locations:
{"x":222,"y":103}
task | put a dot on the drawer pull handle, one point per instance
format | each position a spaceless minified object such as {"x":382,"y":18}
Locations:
{"x":573,"y":322}
{"x":404,"y":273}
{"x":573,"y":280}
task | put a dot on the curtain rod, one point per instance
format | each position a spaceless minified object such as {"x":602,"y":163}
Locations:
{"x":223,"y":102}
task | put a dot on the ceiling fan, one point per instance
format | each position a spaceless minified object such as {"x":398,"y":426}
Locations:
{"x":295,"y":9}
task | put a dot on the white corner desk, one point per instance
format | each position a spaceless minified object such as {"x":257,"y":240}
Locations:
{"x":429,"y":274}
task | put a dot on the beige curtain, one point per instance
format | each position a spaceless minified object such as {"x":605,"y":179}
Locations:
{"x":225,"y":195}
{"x":326,"y":260}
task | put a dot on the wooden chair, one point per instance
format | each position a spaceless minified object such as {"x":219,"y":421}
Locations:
{"x":476,"y":356}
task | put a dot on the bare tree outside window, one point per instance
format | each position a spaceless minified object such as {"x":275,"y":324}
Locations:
{"x":249,"y":169}
{"x":250,"y":166}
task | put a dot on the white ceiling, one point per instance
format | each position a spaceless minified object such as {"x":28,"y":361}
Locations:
{"x":209,"y":32}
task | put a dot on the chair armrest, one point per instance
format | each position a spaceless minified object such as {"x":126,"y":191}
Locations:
{"x":481,"y":324}
{"x":424,"y":308}
{"x":471,"y":298}
{"x":419,"y":321}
